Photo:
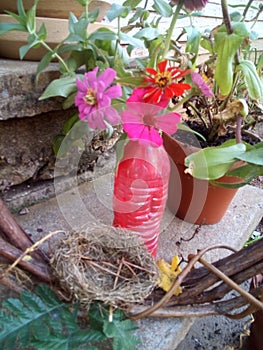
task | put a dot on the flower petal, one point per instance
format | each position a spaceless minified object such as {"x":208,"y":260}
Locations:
{"x":107,"y":76}
{"x":168,"y":122}
{"x":162,"y":66}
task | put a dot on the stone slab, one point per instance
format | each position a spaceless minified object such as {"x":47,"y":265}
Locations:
{"x":91,"y":202}
{"x":20,"y":92}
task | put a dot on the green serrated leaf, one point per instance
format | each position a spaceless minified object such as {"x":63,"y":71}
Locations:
{"x":121,"y":332}
{"x":18,"y":316}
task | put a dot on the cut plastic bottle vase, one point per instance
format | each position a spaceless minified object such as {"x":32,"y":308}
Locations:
{"x":141,"y":190}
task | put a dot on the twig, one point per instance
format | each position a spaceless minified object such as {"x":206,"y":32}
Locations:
{"x":118,"y":274}
{"x":232,"y":284}
{"x":176,"y":283}
{"x":28,"y":251}
{"x":14,"y":232}
{"x":216,"y":308}
{"x":91,"y":262}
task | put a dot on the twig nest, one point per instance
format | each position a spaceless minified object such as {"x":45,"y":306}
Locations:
{"x":104,"y":263}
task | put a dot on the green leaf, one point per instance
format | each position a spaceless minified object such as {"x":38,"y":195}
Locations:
{"x":131,"y":40}
{"x":31,"y":20}
{"x":8,"y":27}
{"x":120,"y":331}
{"x":253,"y":156}
{"x":20,"y":9}
{"x":226,"y":46}
{"x":213,"y":162}
{"x":116,"y":11}
{"x":18,"y":316}
{"x":252,"y":80}
{"x":188,"y":129}
{"x":206,"y":44}
{"x":193,"y":39}
{"x":260,"y":65}
{"x":41,"y":320}
{"x":44,"y":63}
{"x":42,"y":33}
{"x":70,"y":123}
{"x":247,"y":173}
{"x":163,"y":8}
{"x":103,"y":35}
{"x":132,"y":3}
{"x":148,"y":34}
{"x":63,"y":86}
{"x":25,"y":48}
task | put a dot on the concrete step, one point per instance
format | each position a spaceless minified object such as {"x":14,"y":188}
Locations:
{"x":91,"y":202}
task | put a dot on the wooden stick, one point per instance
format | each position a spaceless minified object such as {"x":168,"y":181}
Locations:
{"x":223,"y":307}
{"x":258,"y":304}
{"x":32,"y":265}
{"x":14,"y":233}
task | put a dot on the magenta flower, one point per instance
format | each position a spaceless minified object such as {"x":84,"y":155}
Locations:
{"x":94,"y":94}
{"x":201,"y":84}
{"x":192,"y":5}
{"x":139,"y":93}
{"x":143,"y":122}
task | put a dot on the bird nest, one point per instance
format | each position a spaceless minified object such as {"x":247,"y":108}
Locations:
{"x":104,"y":263}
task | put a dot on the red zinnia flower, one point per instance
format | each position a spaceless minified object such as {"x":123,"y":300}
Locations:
{"x":164,"y":82}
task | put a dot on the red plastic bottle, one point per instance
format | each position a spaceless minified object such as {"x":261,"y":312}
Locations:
{"x":140,"y":191}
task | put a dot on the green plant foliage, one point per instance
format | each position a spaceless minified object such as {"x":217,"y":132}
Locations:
{"x":226,"y":46}
{"x":43,"y":322}
{"x":213,"y":162}
{"x":63,"y":86}
{"x":119,"y":329}
{"x":253,"y":82}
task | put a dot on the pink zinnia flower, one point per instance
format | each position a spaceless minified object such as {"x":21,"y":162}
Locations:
{"x":94,"y":94}
{"x":143,"y":122}
{"x":192,"y":5}
{"x":201,"y":84}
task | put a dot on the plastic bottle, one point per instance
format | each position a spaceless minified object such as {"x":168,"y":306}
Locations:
{"x":140,"y":191}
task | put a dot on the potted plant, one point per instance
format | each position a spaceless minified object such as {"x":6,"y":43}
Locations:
{"x":207,"y":179}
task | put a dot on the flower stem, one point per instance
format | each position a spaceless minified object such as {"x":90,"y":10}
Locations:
{"x":60,"y":59}
{"x":171,"y":28}
{"x":226,"y":17}
{"x":238,"y":128}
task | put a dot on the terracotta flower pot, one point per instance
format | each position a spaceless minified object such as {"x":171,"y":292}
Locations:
{"x":58,"y":8}
{"x":193,"y":200}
